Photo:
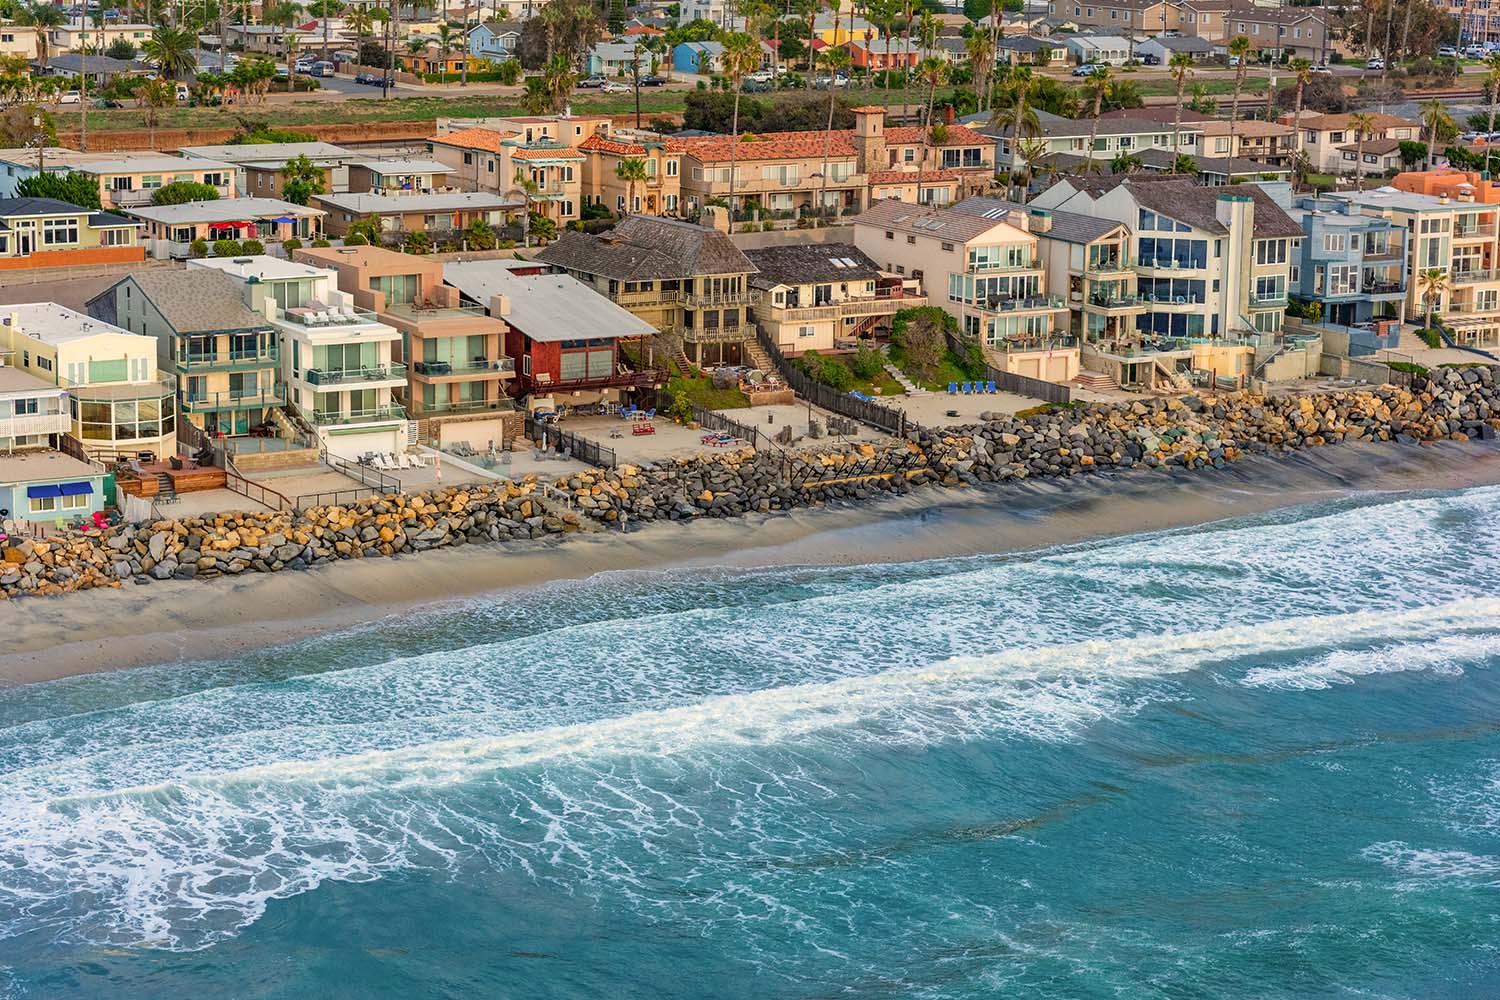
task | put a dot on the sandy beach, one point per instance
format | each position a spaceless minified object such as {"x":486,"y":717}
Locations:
{"x":177,"y":621}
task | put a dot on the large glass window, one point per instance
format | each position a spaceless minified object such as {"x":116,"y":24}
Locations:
{"x":398,"y":289}
{"x":1159,"y":252}
{"x":59,"y":232}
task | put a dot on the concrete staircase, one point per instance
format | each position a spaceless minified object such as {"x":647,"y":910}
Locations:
{"x":912,"y":389}
{"x":1097,"y":381}
{"x":758,"y":357}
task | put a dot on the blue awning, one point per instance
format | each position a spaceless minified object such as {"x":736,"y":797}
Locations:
{"x":77,"y":489}
{"x":38,"y":492}
{"x":283,"y":218}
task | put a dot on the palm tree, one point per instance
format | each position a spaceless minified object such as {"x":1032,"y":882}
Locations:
{"x":1032,"y":152}
{"x":43,"y":17}
{"x":632,"y":171}
{"x":884,"y":13}
{"x":1432,"y":282}
{"x":529,"y":190}
{"x":172,"y":51}
{"x":535,"y":100}
{"x":153,"y":96}
{"x":741,"y":57}
{"x":809,"y":9}
{"x":445,"y":44}
{"x":981,"y":55}
{"x":1302,"y":70}
{"x":1435,"y":118}
{"x":934,"y":73}
{"x":1099,"y":83}
{"x":360,"y":22}
{"x":1125,"y":163}
{"x":1364,"y":127}
{"x":1020,"y":119}
{"x":1239,"y":47}
{"x":1184,"y":163}
{"x":1181,"y":67}
{"x":1492,"y":80}
{"x":560,"y":78}
{"x":835,"y":58}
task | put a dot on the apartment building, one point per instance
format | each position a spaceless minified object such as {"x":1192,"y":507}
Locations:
{"x":1135,"y":16}
{"x":1455,"y":237}
{"x":827,"y":171}
{"x":1280,"y":32}
{"x":544,"y":172}
{"x":1086,"y":261}
{"x":72,"y":37}
{"x":457,"y":369}
{"x":689,"y":282}
{"x":336,"y":355}
{"x":567,"y":339}
{"x":442,"y":215}
{"x":1325,"y":138}
{"x":822,"y":296}
{"x":1352,"y":263}
{"x":1477,"y":22}
{"x":1211,"y":261}
{"x":659,"y":194}
{"x":985,"y":272}
{"x":225,"y":355}
{"x":119,"y":403}
{"x":46,"y":232}
{"x":1273,"y":143}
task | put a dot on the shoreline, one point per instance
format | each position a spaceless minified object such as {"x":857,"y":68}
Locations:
{"x":178,"y":621}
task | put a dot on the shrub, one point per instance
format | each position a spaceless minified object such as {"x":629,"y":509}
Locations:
{"x":418,"y":243}
{"x":198,"y":248}
{"x":252,"y":247}
{"x":1430,"y":338}
{"x":836,"y":376}
{"x":291,"y":244}
{"x":227,"y":248}
{"x":681,"y":408}
{"x":181,"y":192}
{"x":867,"y":363}
{"x":354,"y":240}
{"x":320,"y":242}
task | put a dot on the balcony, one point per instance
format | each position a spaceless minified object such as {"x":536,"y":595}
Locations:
{"x":1110,"y":265}
{"x":346,"y":376}
{"x":1034,"y":303}
{"x":374,"y":415}
{"x":421,"y":408}
{"x":1474,"y":232}
{"x":718,"y":334}
{"x":707,"y":300}
{"x":1172,"y":300}
{"x":1267,"y":300}
{"x":1170,"y":265}
{"x":1391,"y":251}
{"x":1475,"y":276}
{"x":460,"y":369}
{"x":132,"y":198}
{"x":1111,"y":303}
{"x":645,"y":379}
{"x":26,"y":424}
{"x":426,"y":313}
{"x":1395,"y":288}
{"x":235,"y":399}
{"x":228,"y":361}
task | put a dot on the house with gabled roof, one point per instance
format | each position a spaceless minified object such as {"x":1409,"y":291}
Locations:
{"x":822,"y":296}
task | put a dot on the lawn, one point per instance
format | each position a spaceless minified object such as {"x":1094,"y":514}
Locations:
{"x":881,"y":385}
{"x":1213,"y":88}
{"x":952,"y":369}
{"x":700,"y":391}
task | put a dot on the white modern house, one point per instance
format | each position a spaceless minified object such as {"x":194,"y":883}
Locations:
{"x":335,"y":357}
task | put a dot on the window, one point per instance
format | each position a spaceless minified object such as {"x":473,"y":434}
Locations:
{"x":59,"y":232}
{"x":1270,"y":251}
{"x":1294,"y":275}
{"x":804,"y":331}
{"x":1336,"y":137}
{"x":1342,"y":279}
{"x":947,"y":247}
{"x":114,"y":237}
{"x":150,"y":181}
{"x":468,"y":159}
{"x":911,"y":239}
{"x":1333,"y":242}
{"x":889,"y":235}
{"x":671,"y":168}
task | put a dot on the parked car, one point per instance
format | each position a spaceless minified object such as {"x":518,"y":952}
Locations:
{"x":653,"y":81}
{"x":70,"y":97}
{"x":1447,"y":50}
{"x":1087,"y":69}
{"x":1321,"y":69}
{"x":840,"y":80}
{"x":592,"y":81}
{"x":1375,"y":64}
{"x":1150,"y":60}
{"x":755,"y":86}
{"x":105,"y":102}
{"x":1475,"y":52}
{"x":373,"y":79}
{"x":610,"y":87}
{"x":760,"y":76}
{"x":323,"y":67}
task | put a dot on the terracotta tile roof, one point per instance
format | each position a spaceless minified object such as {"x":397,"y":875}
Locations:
{"x":911,"y":176}
{"x":600,"y":144}
{"x":474,"y":138}
{"x":642,"y":29}
{"x":865,"y":109}
{"x":770,"y":146}
{"x":1312,"y":120}
{"x":563,"y":153}
{"x":958,"y":135}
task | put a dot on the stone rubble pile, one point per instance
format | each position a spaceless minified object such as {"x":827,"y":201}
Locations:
{"x":1189,"y":433}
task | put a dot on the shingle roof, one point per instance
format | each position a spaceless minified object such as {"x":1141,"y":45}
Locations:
{"x":1375,"y":146}
{"x":926,"y":220}
{"x":198,"y":300}
{"x":1196,"y":205}
{"x":648,"y":247}
{"x":912,"y":176}
{"x":958,"y":135}
{"x":805,"y":263}
{"x":16,"y":207}
{"x":1183,"y":43}
{"x":1070,"y":227}
{"x":1346,"y":121}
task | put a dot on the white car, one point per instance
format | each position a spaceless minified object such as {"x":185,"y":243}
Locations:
{"x":70,"y":97}
{"x":613,"y":88}
{"x":1375,"y":64}
{"x":1447,"y":50}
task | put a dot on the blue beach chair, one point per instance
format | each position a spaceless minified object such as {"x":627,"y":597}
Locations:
{"x":968,"y":389}
{"x":953,"y":388}
{"x":990,"y":388}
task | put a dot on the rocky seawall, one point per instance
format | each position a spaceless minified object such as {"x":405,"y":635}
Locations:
{"x":1190,"y":433}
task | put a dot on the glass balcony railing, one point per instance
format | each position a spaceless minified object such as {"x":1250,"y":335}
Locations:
{"x":235,"y":399}
{"x":319,"y":317}
{"x":227,"y":360}
{"x":344,"y":376}
{"x":370,"y":416}
{"x":464,"y":405}
{"x":438,"y":369}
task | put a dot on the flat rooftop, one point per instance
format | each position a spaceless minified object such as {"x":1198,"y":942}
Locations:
{"x":43,"y":466}
{"x":261,"y":266}
{"x":222,"y":210}
{"x":253,"y":152}
{"x":13,"y":379}
{"x":55,"y":324}
{"x":448,"y":201}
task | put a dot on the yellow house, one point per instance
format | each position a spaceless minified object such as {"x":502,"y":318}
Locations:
{"x":839,"y":27}
{"x":120,"y":404}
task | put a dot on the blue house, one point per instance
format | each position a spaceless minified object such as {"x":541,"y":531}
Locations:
{"x":1353,"y":264}
{"x":38,"y":483}
{"x":616,"y":59}
{"x":495,"y":40}
{"x":698,"y":57}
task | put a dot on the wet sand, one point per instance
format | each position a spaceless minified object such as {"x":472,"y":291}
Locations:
{"x":175,"y":621}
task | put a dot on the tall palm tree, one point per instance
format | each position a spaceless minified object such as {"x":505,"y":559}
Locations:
{"x":632,"y":171}
{"x":1302,"y":71}
{"x":809,"y":9}
{"x":1032,"y":152}
{"x":884,"y":13}
{"x":1432,"y":282}
{"x":560,"y":78}
{"x":360,"y":22}
{"x":1492,"y":79}
{"x":741,"y":57}
{"x":908,"y":9}
{"x":933,"y":72}
{"x":1364,"y":127}
{"x":172,"y":51}
{"x":1181,"y":67}
{"x":445,"y":43}
{"x":981,"y":56}
{"x":1239,"y":47}
{"x":43,"y":17}
{"x":153,"y":96}
{"x":1019,"y":117}
{"x":834,"y":59}
{"x":1099,"y":84}
{"x":1435,"y":119}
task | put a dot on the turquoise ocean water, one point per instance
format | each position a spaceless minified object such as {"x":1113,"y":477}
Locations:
{"x":1257,"y":759}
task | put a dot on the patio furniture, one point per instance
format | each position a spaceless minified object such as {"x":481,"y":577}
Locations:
{"x":953,"y":388}
{"x":990,"y":387}
{"x":639,"y":429}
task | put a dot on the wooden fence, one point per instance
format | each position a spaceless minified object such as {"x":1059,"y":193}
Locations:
{"x":1021,"y":385}
{"x":885,"y":418}
{"x":580,"y":448}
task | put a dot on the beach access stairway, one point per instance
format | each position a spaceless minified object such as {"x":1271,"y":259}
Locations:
{"x":1097,"y":381}
{"x":912,"y":389}
{"x":758,"y":357}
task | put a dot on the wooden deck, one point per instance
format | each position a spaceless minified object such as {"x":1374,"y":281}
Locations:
{"x":186,"y":480}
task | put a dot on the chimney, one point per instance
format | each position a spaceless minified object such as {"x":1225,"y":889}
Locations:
{"x":716,"y":217}
{"x":499,"y":306}
{"x":1041,"y":221}
{"x":1443,"y":198}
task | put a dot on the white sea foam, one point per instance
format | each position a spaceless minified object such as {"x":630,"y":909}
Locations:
{"x":1423,"y":864}
{"x":1446,"y":655}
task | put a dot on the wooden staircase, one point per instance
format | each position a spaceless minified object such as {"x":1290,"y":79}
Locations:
{"x":758,"y":357}
{"x":166,"y":490}
{"x":1097,"y":381}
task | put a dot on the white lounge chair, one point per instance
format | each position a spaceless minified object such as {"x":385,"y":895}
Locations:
{"x":402,"y":462}
{"x":382,"y":463}
{"x":417,"y":461}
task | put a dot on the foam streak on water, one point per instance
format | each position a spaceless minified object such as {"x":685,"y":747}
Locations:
{"x":809,"y":755}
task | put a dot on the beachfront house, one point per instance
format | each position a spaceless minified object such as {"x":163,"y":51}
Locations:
{"x":225,"y":355}
{"x":263,"y":162}
{"x":128,"y":180}
{"x":118,"y":402}
{"x":565,"y":336}
{"x":171,"y":229}
{"x":987,"y":273}
{"x":45,"y":232}
{"x":1351,"y":263}
{"x":44,"y":486}
{"x":458,"y":370}
{"x":822,"y":296}
{"x":537,"y":172}
{"x":336,"y":356}
{"x":442,"y":215}
{"x":689,"y":282}
{"x":406,"y":175}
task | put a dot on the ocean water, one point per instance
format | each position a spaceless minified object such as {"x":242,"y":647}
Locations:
{"x":1255,"y":759}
